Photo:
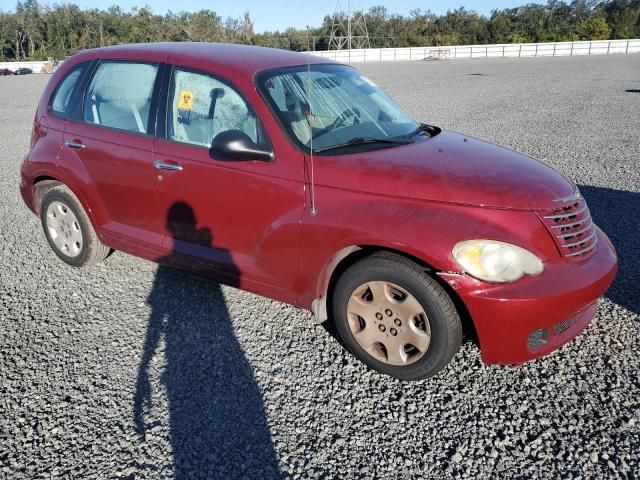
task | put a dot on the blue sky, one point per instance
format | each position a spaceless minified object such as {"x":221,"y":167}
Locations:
{"x":279,"y":14}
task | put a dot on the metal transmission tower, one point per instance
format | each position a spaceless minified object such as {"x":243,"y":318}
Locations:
{"x":349,"y":29}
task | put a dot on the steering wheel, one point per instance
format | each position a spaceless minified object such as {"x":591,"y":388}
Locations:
{"x":352,"y":114}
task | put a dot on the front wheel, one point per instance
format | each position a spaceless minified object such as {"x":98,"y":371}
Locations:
{"x":396,"y":318}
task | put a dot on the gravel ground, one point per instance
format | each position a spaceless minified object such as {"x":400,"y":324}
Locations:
{"x":129,"y":371}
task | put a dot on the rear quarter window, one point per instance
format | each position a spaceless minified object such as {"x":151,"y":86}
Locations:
{"x":61,"y":104}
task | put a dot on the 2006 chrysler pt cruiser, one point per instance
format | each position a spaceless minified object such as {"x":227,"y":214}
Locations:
{"x":299,"y":179}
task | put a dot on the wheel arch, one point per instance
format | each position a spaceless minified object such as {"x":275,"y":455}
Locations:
{"x":40,"y":186}
{"x":42,"y":183}
{"x":341,"y":261}
{"x":347,"y":256}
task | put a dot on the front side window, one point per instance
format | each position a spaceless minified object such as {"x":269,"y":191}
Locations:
{"x":119,"y":96}
{"x":331,"y":105}
{"x":201,"y":107}
{"x":61,"y":101}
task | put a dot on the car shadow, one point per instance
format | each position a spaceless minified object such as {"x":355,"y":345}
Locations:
{"x":617,"y":212}
{"x":217,"y":421}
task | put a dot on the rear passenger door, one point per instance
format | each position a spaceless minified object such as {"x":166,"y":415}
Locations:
{"x":111,"y":142}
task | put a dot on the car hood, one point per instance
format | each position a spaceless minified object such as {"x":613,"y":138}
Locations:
{"x":449,"y":167}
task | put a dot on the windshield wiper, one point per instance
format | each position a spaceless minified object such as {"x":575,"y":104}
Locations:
{"x":365,"y":141}
{"x":424,"y":128}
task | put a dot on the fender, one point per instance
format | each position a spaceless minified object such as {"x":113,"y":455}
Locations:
{"x":319,"y":304}
{"x":421,"y":230}
{"x":78,"y":188}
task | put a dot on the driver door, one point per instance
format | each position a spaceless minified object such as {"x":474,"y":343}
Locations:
{"x":234,"y":221}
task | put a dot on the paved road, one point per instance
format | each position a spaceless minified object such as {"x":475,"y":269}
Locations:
{"x":131,"y":371}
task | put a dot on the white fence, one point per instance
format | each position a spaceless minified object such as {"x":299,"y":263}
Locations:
{"x":556,"y":49}
{"x":510,"y":50}
{"x":13,"y":66}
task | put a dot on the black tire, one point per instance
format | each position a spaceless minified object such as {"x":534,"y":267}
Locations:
{"x":441,"y":314}
{"x":92,"y":250}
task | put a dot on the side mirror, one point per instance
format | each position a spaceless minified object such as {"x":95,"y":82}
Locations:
{"x":237,"y":145}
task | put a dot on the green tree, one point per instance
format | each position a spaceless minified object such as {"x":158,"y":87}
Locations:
{"x":145,"y":27}
{"x":595,"y":28}
{"x":500,"y":27}
{"x":8,"y":27}
{"x":36,"y":31}
{"x":205,"y":26}
{"x":623,"y":16}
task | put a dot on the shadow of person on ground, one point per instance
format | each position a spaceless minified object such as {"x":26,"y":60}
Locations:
{"x":218,"y":426}
{"x":617,"y":212}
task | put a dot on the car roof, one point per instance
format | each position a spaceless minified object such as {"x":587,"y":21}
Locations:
{"x":247,"y":59}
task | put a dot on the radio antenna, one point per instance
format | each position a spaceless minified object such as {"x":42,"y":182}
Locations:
{"x":312,"y":189}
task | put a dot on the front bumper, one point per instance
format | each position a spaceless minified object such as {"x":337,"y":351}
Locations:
{"x":561,"y":301}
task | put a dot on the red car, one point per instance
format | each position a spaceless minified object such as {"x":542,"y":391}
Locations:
{"x":300,"y":180}
{"x":5,"y":71}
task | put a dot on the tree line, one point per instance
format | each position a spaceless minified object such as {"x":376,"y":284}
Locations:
{"x":36,"y":31}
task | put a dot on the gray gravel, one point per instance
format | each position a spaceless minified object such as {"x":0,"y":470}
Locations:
{"x":129,"y":371}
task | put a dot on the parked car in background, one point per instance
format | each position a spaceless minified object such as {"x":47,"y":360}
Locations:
{"x":23,"y":71}
{"x":5,"y":71}
{"x":299,"y":179}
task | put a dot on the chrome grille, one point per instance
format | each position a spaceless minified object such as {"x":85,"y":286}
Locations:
{"x":572,"y":228}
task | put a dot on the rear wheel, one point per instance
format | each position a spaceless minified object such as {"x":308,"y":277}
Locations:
{"x":396,"y":318}
{"x":69,"y":230}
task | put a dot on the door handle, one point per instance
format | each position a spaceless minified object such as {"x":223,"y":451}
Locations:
{"x":76,"y":145}
{"x":160,"y":165}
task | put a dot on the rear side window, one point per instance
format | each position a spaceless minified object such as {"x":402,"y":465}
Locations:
{"x":61,"y":101}
{"x":119,"y":96}
{"x":201,"y":106}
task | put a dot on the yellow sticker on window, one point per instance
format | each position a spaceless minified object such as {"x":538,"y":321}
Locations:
{"x":185,"y":101}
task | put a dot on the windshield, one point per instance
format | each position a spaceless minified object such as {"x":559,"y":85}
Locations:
{"x":337,"y":106}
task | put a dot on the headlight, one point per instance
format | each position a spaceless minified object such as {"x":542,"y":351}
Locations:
{"x":494,"y":261}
